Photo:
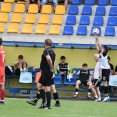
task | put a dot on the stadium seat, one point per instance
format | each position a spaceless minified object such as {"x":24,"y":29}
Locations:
{"x":21,"y":2}
{"x":68,"y":30}
{"x":99,"y":28}
{"x":19,"y":8}
{"x":114,"y":2}
{"x":73,"y":10}
{"x":89,"y":2}
{"x":33,"y":8}
{"x":98,"y":20}
{"x":1,"y":27}
{"x":30,"y":18}
{"x":76,"y":2}
{"x":40,"y":29}
{"x":46,"y":9}
{"x":84,"y":20}
{"x":82,"y":30}
{"x":110,"y":31}
{"x":102,"y":2}
{"x":58,"y":79}
{"x":113,"y":11}
{"x":6,"y":7}
{"x":3,"y":17}
{"x":101,"y":11}
{"x":71,"y":20}
{"x":57,"y":19}
{"x":43,"y":19}
{"x":14,"y":91}
{"x":13,"y":28}
{"x":27,"y":28}
{"x":87,"y":10}
{"x":9,"y":1}
{"x":54,"y":29}
{"x":16,"y":18}
{"x":112,"y":21}
{"x":60,"y":10}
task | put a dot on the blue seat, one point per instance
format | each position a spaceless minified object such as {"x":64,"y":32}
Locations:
{"x":101,"y":11}
{"x":110,"y":31}
{"x":84,"y":20}
{"x":68,"y":30}
{"x":14,"y":91}
{"x":71,"y":20}
{"x":99,"y":28}
{"x":76,"y":2}
{"x":82,"y":30}
{"x":113,"y":11}
{"x":112,"y":21}
{"x":114,"y":2}
{"x":58,"y":79}
{"x":30,"y":69}
{"x":102,"y":2}
{"x":98,"y":20}
{"x":87,"y":10}
{"x":89,"y":2}
{"x":73,"y":10}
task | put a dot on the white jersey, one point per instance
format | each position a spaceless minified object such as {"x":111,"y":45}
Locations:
{"x":104,"y":62}
{"x":96,"y":70}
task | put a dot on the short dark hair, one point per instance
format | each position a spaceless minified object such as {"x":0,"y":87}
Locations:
{"x":0,"y":41}
{"x":106,"y":48}
{"x":48,"y":42}
{"x":20,"y":56}
{"x":109,"y":58}
{"x":84,"y":65}
{"x":62,"y":57}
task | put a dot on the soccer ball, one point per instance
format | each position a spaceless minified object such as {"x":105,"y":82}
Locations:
{"x":96,"y":30}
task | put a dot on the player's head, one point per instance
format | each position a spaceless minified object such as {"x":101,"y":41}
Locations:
{"x":48,"y":43}
{"x":109,"y":58}
{"x":85,"y":66}
{"x":0,"y":41}
{"x":20,"y":57}
{"x":96,"y":57}
{"x":105,"y":48}
{"x":62,"y":58}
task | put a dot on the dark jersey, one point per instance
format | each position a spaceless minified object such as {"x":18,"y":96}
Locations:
{"x":111,"y":66}
{"x":63,"y":67}
{"x":44,"y":64}
{"x":84,"y":75}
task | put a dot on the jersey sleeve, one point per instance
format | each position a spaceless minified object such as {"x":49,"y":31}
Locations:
{"x":46,"y":52}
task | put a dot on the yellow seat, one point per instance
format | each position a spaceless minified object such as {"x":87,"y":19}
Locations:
{"x":40,"y":29}
{"x":3,"y":17}
{"x":1,"y":27}
{"x":33,"y":8}
{"x":57,"y":19}
{"x":6,"y":7}
{"x":43,"y":19}
{"x":9,"y":1}
{"x":16,"y":17}
{"x":13,"y":28}
{"x":19,"y":8}
{"x":54,"y":30}
{"x":27,"y":28}
{"x":21,"y":2}
{"x":46,"y":9}
{"x":30,"y":18}
{"x":60,"y":9}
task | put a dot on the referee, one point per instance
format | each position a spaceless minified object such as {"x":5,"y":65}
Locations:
{"x":46,"y":66}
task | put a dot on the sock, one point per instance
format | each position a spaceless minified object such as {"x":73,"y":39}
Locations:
{"x":21,"y":70}
{"x":106,"y":90}
{"x":56,"y":98}
{"x":89,"y":91}
{"x":2,"y":94}
{"x":24,"y":69}
{"x":96,"y":96}
{"x":99,"y":98}
{"x":38,"y":96}
{"x":48,"y":95}
{"x":76,"y":91}
{"x":42,"y":93}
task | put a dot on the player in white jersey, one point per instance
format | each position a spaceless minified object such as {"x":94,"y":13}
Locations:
{"x":97,"y":79}
{"x":104,"y":65}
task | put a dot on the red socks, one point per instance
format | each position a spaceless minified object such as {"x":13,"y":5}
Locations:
{"x":2,"y":94}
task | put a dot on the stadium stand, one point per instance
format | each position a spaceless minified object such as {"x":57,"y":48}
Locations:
{"x":87,"y":10}
{"x":100,"y":11}
{"x":114,"y":3}
{"x":6,"y":7}
{"x":110,"y":31}
{"x":13,"y":28}
{"x":46,"y":9}
{"x":3,"y":17}
{"x":71,"y":20}
{"x":1,"y":27}
{"x":73,"y":10}
{"x":19,"y":8}
{"x":9,"y":1}
{"x":82,"y":30}
{"x":16,"y":18}
{"x":40,"y":29}
{"x":76,"y":2}
{"x":43,"y":19}
{"x":102,"y":2}
{"x":98,"y":20}
{"x":84,"y":20}
{"x":112,"y":21}
{"x":57,"y":19}
{"x":33,"y":8}
{"x":54,"y":29}
{"x":68,"y":30}
{"x":89,"y":2}
{"x":99,"y":28}
{"x":30,"y":18}
{"x":27,"y":28}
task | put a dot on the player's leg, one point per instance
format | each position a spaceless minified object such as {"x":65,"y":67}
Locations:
{"x":20,"y":66}
{"x":27,"y":4}
{"x":66,"y":4}
{"x":78,"y":82}
{"x":24,"y":66}
{"x":98,"y":93}
{"x":39,"y":4}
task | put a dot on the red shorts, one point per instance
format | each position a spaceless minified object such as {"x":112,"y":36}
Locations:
{"x":1,"y":79}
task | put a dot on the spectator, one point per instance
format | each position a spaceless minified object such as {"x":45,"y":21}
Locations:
{"x":116,"y":70}
{"x":28,"y":2}
{"x":111,"y":66}
{"x":21,"y":65}
{"x":63,"y":67}
{"x":65,"y":3}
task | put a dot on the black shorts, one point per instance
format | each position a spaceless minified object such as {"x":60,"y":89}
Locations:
{"x":105,"y":74}
{"x":97,"y":84}
{"x":83,"y":82}
{"x":33,"y":2}
{"x":17,"y":71}
{"x":46,"y":77}
{"x":52,"y":81}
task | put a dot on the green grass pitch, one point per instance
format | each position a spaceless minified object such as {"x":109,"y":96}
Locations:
{"x":69,"y":108}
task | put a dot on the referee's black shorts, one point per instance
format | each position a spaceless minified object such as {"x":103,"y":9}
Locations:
{"x":46,"y":77}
